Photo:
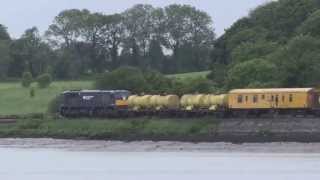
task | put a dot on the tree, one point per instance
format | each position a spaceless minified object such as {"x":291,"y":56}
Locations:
{"x":26,"y":79}
{"x":4,"y":35}
{"x":5,"y":58}
{"x":299,"y":62}
{"x":189,"y":27}
{"x":249,"y":51}
{"x":111,"y":35}
{"x":44,"y":80}
{"x":138,"y":27}
{"x":282,"y":17}
{"x":65,"y":28}
{"x":311,"y":26}
{"x":127,"y":78}
{"x":30,"y":54}
{"x":255,"y":71}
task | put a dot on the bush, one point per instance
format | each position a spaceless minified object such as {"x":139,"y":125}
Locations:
{"x":127,"y":78}
{"x":44,"y":80}
{"x":54,"y":105}
{"x":32,"y":92}
{"x":26,"y":79}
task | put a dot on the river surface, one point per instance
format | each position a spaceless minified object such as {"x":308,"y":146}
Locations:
{"x":48,"y":159}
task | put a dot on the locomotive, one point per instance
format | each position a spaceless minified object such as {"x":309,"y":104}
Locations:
{"x":236,"y":103}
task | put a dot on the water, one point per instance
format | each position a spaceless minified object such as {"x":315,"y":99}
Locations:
{"x":61,"y":164}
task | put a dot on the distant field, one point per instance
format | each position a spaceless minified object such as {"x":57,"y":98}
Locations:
{"x":189,"y":75}
{"x":16,"y":100}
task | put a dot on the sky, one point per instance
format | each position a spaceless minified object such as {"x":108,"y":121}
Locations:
{"x":19,"y":15}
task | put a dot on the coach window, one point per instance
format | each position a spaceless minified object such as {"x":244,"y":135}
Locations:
{"x":272,"y":98}
{"x":283,"y":98}
{"x":263,"y":97}
{"x":247,"y":98}
{"x":290,"y":97}
{"x":240,"y":99}
{"x":255,"y":98}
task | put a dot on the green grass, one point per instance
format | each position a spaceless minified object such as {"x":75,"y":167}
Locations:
{"x":16,"y":100}
{"x":133,"y":129}
{"x":189,"y":75}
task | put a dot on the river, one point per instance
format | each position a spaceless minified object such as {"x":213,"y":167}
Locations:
{"x":99,"y":160}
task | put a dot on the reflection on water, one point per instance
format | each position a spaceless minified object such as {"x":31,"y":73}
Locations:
{"x":40,"y":164}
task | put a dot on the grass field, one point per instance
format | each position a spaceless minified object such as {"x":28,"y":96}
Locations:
{"x":189,"y":75}
{"x":16,"y":100}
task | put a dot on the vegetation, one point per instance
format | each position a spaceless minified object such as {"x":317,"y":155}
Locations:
{"x":26,"y":79}
{"x":152,"y":82}
{"x":277,"y":45}
{"x":152,"y":129}
{"x":202,"y":74}
{"x":16,"y":100}
{"x":44,"y":80}
{"x":80,"y":43}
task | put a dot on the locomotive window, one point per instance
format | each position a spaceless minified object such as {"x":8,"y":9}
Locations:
{"x":255,"y":98}
{"x":240,"y":99}
{"x":290,"y":97}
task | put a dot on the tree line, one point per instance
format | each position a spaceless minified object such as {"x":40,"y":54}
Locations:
{"x":80,"y":43}
{"x":277,"y":45}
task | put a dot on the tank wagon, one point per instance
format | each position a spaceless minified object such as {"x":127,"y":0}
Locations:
{"x":236,"y":103}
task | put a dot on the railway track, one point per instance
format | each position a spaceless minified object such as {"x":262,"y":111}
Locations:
{"x":8,"y":120}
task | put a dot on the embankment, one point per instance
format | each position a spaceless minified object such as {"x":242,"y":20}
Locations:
{"x":187,"y":130}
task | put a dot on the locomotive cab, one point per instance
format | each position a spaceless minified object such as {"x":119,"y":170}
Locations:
{"x":91,"y":102}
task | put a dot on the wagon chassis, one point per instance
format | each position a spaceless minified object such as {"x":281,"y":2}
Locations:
{"x":196,"y":113}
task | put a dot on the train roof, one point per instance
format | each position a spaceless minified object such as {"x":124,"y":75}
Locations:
{"x":274,"y":90}
{"x":95,"y":91}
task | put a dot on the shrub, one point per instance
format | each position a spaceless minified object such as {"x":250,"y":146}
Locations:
{"x":54,"y":105}
{"x":32,"y":92}
{"x":44,"y":80}
{"x":26,"y":79}
{"x":127,"y":78}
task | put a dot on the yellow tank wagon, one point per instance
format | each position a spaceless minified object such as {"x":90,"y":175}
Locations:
{"x":204,"y":101}
{"x":154,"y":102}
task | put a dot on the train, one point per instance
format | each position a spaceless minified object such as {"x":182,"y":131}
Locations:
{"x":236,"y":103}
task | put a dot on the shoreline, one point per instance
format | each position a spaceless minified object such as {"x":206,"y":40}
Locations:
{"x":161,"y":146}
{"x":174,"y":130}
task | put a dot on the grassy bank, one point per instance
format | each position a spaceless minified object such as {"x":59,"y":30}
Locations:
{"x":16,"y":100}
{"x":190,"y":75}
{"x":135,"y":129}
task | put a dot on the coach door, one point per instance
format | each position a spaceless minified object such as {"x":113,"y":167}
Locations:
{"x":277,"y":101}
{"x":274,"y":100}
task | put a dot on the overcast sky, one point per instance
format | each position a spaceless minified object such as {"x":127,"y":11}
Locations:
{"x":19,"y":15}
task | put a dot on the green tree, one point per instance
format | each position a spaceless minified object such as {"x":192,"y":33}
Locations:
{"x":192,"y":28}
{"x":30,"y":54}
{"x":65,"y":28}
{"x":44,"y":80}
{"x":311,"y":26}
{"x":299,"y":62}
{"x":248,"y":51}
{"x":26,"y":79}
{"x":127,"y":78}
{"x":256,"y":71}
